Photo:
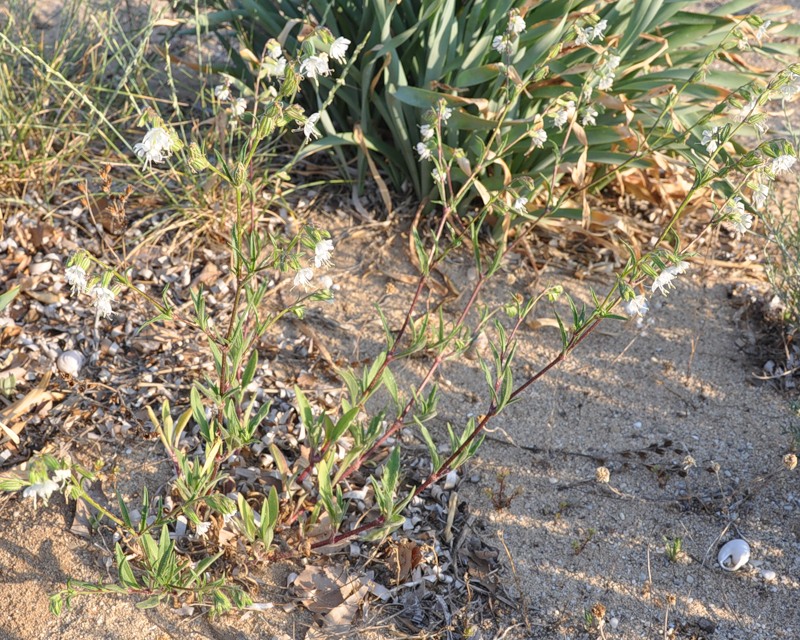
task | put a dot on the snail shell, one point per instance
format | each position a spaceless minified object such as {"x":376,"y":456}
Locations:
{"x":734,"y":555}
{"x":70,"y":362}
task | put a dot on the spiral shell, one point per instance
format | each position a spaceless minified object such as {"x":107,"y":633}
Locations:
{"x":734,"y":555}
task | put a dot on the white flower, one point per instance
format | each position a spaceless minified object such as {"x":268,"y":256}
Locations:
{"x":743,"y":222}
{"x":274,"y":50}
{"x":735,"y":207}
{"x":201,"y":529}
{"x":309,"y":127}
{"x":735,"y":213}
{"x":102,"y":301}
{"x":437,"y":175}
{"x":76,"y":278}
{"x":636,"y":306}
{"x":446,"y":113}
{"x":583,"y":37}
{"x":792,"y":88}
{"x":612,"y":62}
{"x":516,"y":24}
{"x":274,"y":66}
{"x":538,"y":138}
{"x":41,"y":490}
{"x":502,"y":44}
{"x":679,"y":268}
{"x":564,"y":114}
{"x":423,"y":151}
{"x":426,"y":132}
{"x":339,"y":49}
{"x":322,"y":253}
{"x":519,"y":204}
{"x":303,"y":278}
{"x":743,"y":44}
{"x":239,"y":106}
{"x":747,"y":110}
{"x":606,"y":81}
{"x":664,"y":280}
{"x":762,"y":31}
{"x":760,"y":195}
{"x":222,"y":92}
{"x":589,"y":116}
{"x":314,"y":66}
{"x":709,"y":140}
{"x":156,"y":146}
{"x":62,"y":476}
{"x":599,"y":29}
{"x":783,"y":163}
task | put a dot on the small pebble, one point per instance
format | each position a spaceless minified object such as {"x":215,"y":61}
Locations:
{"x":70,"y":362}
{"x":614,"y":622}
{"x":768,"y":575}
{"x":450,"y":481}
{"x":38,"y":268}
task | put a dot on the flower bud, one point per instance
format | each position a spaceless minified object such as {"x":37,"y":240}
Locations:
{"x":295,"y":112}
{"x":239,"y":175}
{"x":197,"y":159}
{"x":266,"y":125}
{"x":290,"y":84}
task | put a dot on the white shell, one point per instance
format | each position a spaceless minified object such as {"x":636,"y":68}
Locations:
{"x":70,"y":362}
{"x":734,"y":555}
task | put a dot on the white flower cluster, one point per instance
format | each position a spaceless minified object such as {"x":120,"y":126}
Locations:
{"x":586,"y":35}
{"x":315,"y":66}
{"x":763,"y":177}
{"x":427,"y":132}
{"x":101,"y":294}
{"x":274,"y":64}
{"x":734,"y":212}
{"x":607,"y":72}
{"x":664,"y":279}
{"x":223,"y":93}
{"x":504,"y":44}
{"x":322,"y":258}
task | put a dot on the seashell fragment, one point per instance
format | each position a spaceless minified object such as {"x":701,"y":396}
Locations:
{"x":70,"y":362}
{"x":734,"y":555}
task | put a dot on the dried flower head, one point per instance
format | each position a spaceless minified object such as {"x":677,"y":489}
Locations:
{"x":790,"y":461}
{"x":602,"y":475}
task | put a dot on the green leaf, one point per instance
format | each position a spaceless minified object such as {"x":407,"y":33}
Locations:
{"x":342,"y":425}
{"x":126,"y":576}
{"x":8,"y":297}
{"x":149,"y":547}
{"x":250,"y":369}
{"x":151,"y":602}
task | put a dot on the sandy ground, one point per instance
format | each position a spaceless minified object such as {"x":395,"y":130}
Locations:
{"x":686,"y":376}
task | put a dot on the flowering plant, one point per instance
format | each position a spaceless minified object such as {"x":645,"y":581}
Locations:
{"x":571,"y":61}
